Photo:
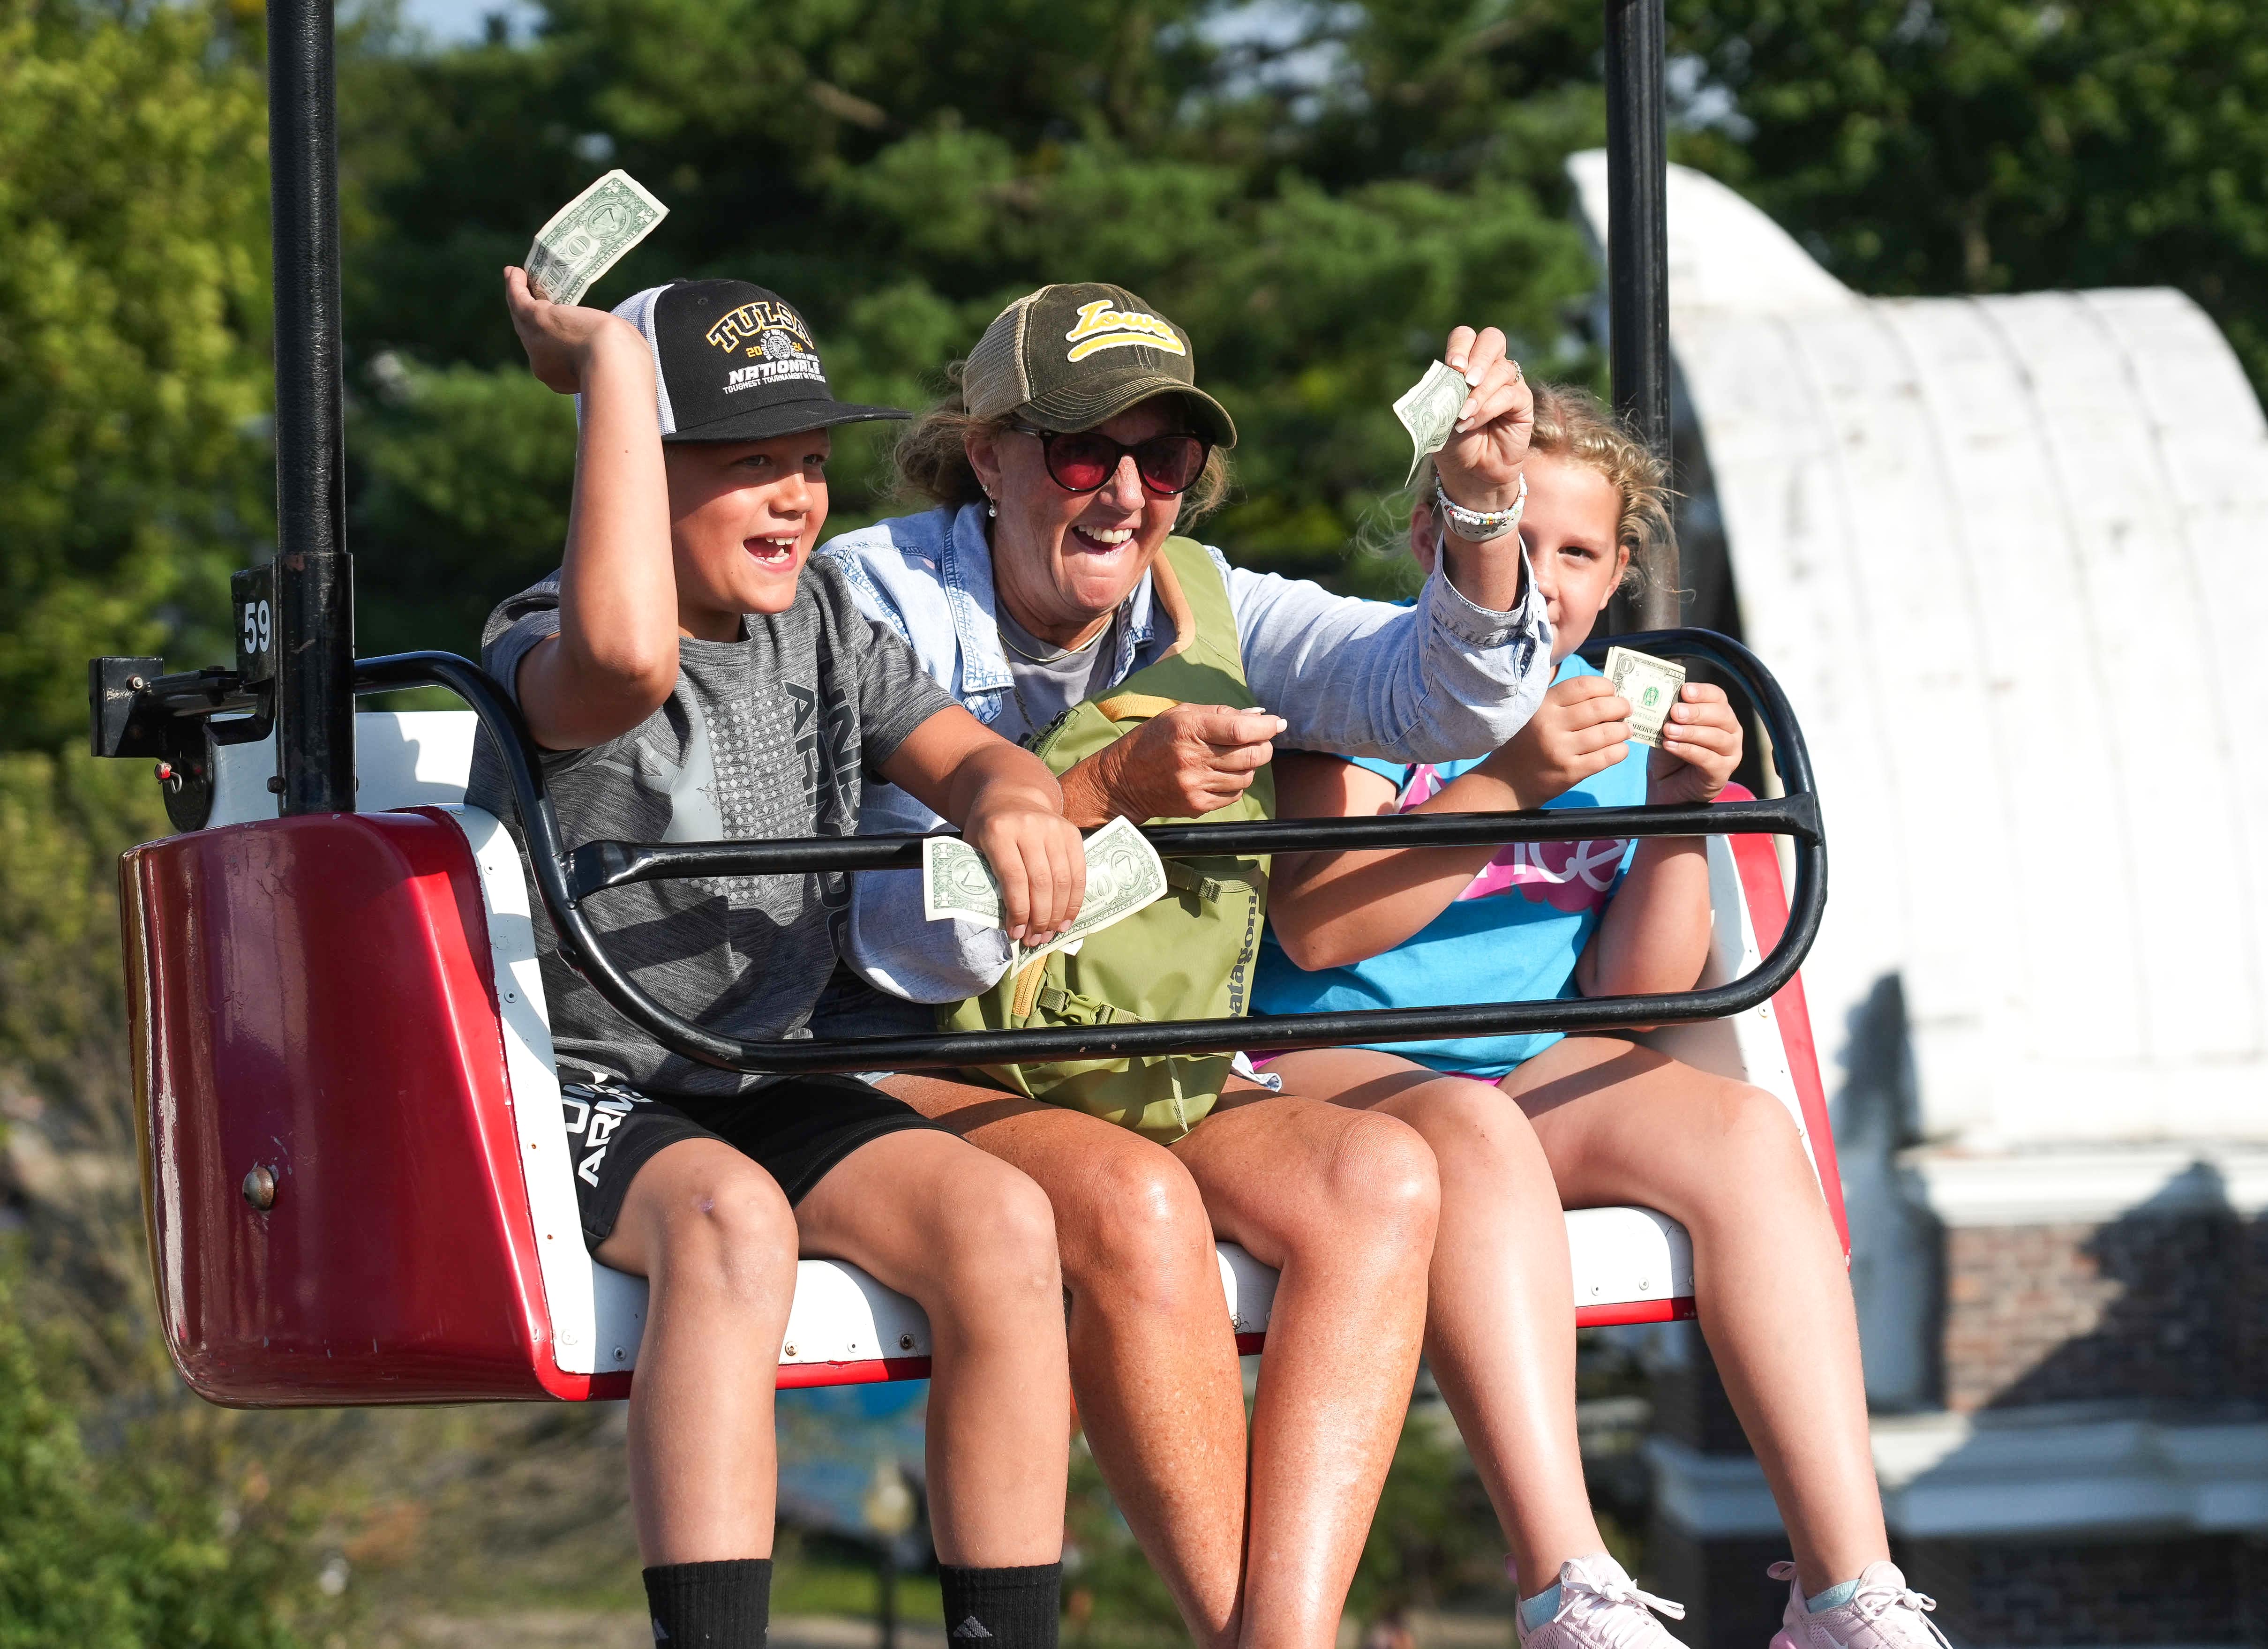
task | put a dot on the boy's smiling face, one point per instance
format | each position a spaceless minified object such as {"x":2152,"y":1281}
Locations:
{"x":744,"y":516}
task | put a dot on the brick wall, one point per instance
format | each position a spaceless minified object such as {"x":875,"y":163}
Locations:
{"x":2034,"y":1595}
{"x":1730,"y":1601}
{"x":2166,"y":1308}
{"x":2152,"y":1307}
{"x":1994,"y":1595}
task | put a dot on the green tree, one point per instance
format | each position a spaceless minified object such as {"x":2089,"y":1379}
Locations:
{"x":137,"y":1547}
{"x":1987,"y":145}
{"x":133,"y":319}
{"x":901,"y":168}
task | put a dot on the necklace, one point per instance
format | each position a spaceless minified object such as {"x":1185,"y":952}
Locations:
{"x":1031,"y":722}
{"x":1059,"y":654}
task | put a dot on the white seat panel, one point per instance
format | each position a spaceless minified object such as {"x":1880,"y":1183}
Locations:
{"x":1628,"y":1257}
{"x":843,"y":1315}
{"x":408,"y":758}
{"x":1250,"y":1288}
{"x":1622,"y":1257}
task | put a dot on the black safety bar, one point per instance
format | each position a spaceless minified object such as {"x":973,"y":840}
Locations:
{"x":564,"y":878}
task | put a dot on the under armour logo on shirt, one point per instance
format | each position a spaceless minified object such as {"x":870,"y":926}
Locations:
{"x":971,"y":1628}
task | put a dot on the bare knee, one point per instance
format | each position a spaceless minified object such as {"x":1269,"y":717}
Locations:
{"x":1754,"y":1127}
{"x":996,"y":1253}
{"x":1133,"y":1232}
{"x":1378,"y":1180}
{"x":723,"y":1232}
{"x":1475,"y":1131}
{"x":1751,"y":1145}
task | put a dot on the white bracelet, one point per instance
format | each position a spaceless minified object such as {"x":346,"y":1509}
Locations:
{"x":1477,"y":527}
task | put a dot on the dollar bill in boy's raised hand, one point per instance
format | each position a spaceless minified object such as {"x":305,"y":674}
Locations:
{"x":1122,"y":875}
{"x":589,"y":235}
{"x":1649,"y":685}
{"x":1428,"y":409}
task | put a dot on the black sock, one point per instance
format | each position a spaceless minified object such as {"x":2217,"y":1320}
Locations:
{"x":1002,"y":1608}
{"x":710,"y":1605}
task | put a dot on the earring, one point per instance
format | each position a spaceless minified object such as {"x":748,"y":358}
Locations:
{"x":992,"y":510}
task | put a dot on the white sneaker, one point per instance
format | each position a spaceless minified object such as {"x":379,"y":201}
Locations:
{"x":1600,"y":1609}
{"x":1884,"y":1615}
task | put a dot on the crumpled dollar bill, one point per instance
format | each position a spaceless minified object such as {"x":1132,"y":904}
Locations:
{"x":1428,"y":409}
{"x":590,"y":235}
{"x":1124,"y":873}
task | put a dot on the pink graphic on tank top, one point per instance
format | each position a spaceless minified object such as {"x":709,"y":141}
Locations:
{"x":1569,"y":876}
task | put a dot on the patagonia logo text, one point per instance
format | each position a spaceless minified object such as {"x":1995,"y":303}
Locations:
{"x":1102,"y":327}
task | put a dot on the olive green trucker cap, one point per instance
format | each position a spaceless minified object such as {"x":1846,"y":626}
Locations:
{"x":1071,"y":356}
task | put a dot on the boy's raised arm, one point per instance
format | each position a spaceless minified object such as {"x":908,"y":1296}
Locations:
{"x":615,"y":658}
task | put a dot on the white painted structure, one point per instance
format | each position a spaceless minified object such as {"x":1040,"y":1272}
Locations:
{"x":2004,"y":554}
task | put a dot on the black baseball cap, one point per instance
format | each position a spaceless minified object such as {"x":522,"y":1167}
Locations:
{"x":732,"y":362}
{"x":1072,"y":355}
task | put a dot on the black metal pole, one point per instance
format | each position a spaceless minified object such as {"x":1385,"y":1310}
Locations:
{"x":314,"y":581}
{"x":1637,"y":251}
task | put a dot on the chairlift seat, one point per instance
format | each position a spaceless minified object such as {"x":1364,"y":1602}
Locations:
{"x":357,"y":1167}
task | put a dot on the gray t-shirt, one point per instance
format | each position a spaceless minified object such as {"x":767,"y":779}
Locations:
{"x":1049,"y":681}
{"x":769,"y":736}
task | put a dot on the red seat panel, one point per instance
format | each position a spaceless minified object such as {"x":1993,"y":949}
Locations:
{"x":314,"y":996}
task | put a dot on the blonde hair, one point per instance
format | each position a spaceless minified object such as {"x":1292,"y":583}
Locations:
{"x":1573,"y":424}
{"x":932,"y":457}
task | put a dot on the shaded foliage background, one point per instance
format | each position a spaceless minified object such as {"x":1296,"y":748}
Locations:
{"x":1316,"y":190}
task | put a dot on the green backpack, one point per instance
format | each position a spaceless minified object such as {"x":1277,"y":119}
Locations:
{"x":1189,"y":955}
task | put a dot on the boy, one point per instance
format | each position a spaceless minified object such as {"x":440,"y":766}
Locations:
{"x":688,"y":680}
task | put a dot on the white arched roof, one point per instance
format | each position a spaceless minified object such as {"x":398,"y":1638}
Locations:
{"x":2009,"y":556}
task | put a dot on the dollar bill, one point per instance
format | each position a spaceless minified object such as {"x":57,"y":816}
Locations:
{"x":1650,"y":685}
{"x":1429,"y":411}
{"x":589,"y":235}
{"x":1123,"y":874}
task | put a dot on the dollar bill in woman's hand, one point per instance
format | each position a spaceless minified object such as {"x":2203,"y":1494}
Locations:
{"x":1428,"y":409}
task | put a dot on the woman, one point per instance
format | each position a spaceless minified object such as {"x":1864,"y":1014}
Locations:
{"x":1059,"y":471}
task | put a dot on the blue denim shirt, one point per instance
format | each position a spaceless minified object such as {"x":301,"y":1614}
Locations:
{"x":1440,"y":680}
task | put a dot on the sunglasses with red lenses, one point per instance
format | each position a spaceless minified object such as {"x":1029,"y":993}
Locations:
{"x":1084,"y":460}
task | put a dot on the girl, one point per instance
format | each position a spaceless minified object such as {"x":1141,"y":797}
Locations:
{"x":1520,"y":1125}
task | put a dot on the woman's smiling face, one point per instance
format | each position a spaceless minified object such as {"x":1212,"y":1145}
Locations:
{"x":1063,"y":561}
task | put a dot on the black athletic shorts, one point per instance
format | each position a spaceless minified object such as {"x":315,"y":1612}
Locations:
{"x":796,"y":1129}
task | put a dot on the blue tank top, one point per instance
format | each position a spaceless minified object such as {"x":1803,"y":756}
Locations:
{"x":1514,"y":934}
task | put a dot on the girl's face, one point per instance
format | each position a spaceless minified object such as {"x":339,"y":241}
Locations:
{"x":1568,"y":529}
{"x":1065,"y":561}
{"x":744,"y":516}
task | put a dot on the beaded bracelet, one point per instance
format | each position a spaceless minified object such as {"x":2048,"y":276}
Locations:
{"x":1477,"y":527}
